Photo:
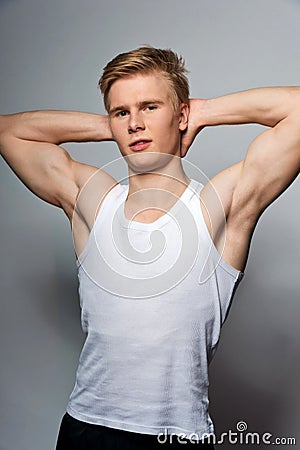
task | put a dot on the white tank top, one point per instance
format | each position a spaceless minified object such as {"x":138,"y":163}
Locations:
{"x":153,"y":299}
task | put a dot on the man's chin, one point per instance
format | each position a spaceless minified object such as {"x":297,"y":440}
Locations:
{"x":143,"y":162}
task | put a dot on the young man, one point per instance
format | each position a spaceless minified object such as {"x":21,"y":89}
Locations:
{"x":159,"y":259}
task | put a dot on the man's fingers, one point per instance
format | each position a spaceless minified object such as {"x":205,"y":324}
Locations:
{"x":184,"y":146}
{"x":186,"y":142}
{"x":183,"y":151}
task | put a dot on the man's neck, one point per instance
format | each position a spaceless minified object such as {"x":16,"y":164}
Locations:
{"x":153,"y":193}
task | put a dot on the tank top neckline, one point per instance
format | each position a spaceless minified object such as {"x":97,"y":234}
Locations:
{"x":162,"y":220}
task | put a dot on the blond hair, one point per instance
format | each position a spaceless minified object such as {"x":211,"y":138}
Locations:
{"x":146,"y":60}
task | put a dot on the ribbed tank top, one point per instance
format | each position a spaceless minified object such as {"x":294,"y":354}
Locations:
{"x":153,"y":299}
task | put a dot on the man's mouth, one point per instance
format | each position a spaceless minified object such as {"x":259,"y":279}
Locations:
{"x":140,"y":144}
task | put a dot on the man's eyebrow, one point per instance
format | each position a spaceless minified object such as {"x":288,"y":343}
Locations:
{"x":151,"y":101}
{"x":140,"y":104}
{"x":117,"y":108}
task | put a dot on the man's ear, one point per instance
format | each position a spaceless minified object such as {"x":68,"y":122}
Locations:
{"x":183,"y":116}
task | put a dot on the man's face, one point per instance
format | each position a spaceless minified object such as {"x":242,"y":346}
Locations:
{"x":143,"y":120}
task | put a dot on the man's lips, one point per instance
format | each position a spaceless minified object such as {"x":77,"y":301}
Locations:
{"x":140,"y":144}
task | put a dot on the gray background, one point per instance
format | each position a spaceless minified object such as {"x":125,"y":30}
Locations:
{"x":51,"y":56}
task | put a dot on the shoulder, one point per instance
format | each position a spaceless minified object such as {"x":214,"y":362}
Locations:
{"x":217,"y":195}
{"x":229,"y":231}
{"x":90,"y":184}
{"x":93,"y":184}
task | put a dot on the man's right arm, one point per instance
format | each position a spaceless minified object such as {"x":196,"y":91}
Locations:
{"x":30,"y":144}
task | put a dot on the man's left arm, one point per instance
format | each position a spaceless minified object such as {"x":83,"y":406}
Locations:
{"x":271,"y":163}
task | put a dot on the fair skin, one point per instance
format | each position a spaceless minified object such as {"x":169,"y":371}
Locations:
{"x":147,"y":131}
{"x":141,"y":113}
{"x":271,"y":163}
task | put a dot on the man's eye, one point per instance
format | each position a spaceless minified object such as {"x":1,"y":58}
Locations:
{"x":121,"y":114}
{"x":151,"y":107}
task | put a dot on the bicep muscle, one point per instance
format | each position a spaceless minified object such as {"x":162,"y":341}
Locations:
{"x":46,"y":169}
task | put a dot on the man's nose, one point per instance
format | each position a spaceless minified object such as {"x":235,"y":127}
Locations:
{"x":136,"y":123}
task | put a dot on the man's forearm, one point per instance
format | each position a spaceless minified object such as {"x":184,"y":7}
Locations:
{"x":266,"y":106}
{"x":56,"y":127}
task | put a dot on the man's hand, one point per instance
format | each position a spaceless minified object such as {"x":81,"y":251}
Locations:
{"x":195,"y":124}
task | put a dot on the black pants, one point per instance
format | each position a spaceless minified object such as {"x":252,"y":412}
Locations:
{"x":77,"y":435}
